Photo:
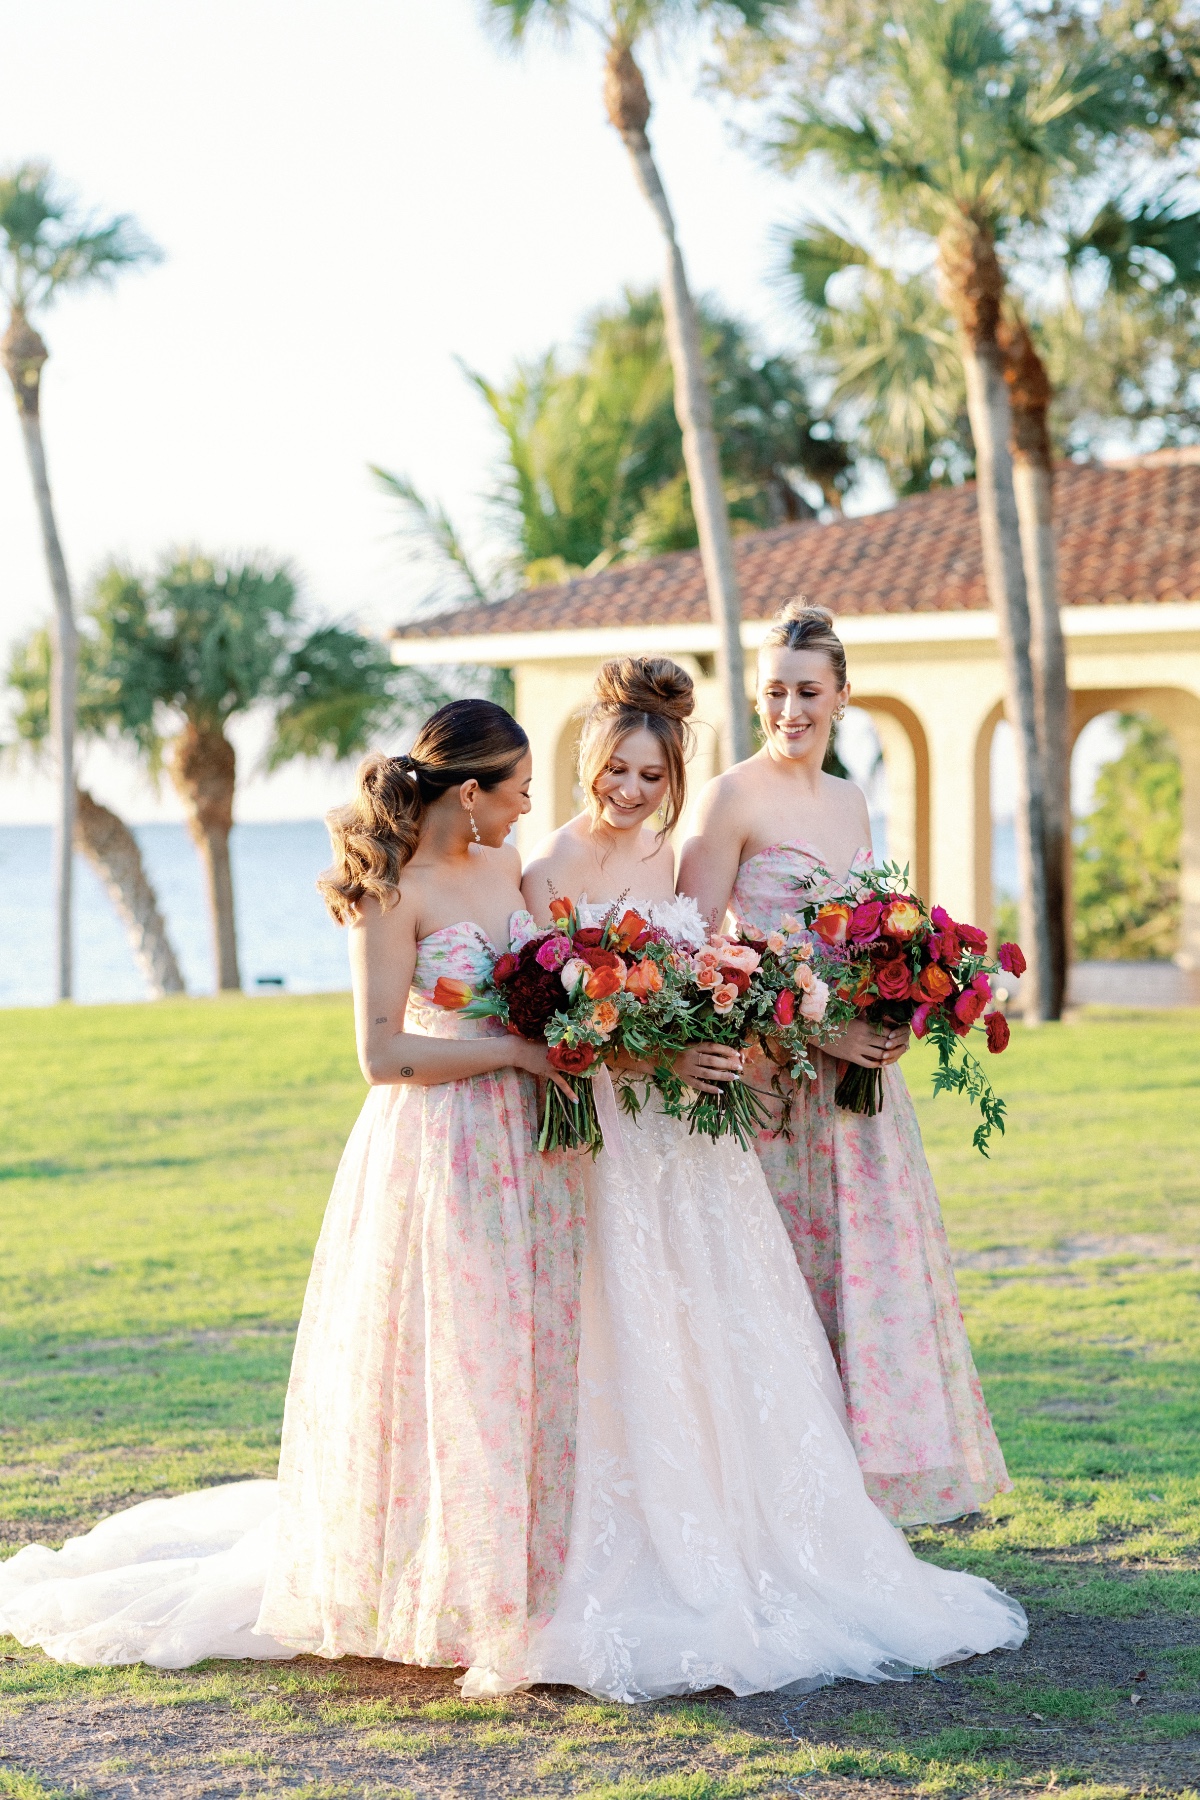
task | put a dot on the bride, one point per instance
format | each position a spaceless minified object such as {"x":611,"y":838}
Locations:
{"x":721,"y":1533}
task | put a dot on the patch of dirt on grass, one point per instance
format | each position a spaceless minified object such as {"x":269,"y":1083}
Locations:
{"x":1056,"y":1713}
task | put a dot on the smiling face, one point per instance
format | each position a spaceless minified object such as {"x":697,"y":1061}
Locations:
{"x":633,"y":783}
{"x":798,"y":695}
{"x":496,"y":810}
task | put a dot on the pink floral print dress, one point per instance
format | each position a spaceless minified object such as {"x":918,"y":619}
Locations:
{"x":862,"y":1212}
{"x":426,"y":1472}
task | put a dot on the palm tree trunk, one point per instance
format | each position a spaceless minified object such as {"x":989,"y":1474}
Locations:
{"x":24,"y":355}
{"x":1030,"y":394}
{"x":113,"y":852}
{"x":629,"y":110}
{"x":973,"y":286}
{"x":204,"y":770}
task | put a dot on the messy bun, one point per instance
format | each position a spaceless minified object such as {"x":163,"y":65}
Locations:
{"x":639,"y":693}
{"x":799,"y":626}
{"x":377,"y":833}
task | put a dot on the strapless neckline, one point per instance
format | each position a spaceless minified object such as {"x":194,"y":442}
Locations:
{"x":474,"y":926}
{"x":805,"y":849}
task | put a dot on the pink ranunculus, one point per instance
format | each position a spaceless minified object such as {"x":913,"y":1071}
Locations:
{"x":973,"y":938}
{"x":920,"y":1020}
{"x":945,"y":946}
{"x":784,"y":1010}
{"x":941,"y":918}
{"x":864,"y":921}
{"x":554,"y":953}
{"x":725,"y":997}
{"x":814,"y":1001}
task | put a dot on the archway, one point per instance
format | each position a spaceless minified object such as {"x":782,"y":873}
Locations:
{"x":906,"y":769}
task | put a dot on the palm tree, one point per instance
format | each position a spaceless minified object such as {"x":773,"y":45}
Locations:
{"x":954,"y":131}
{"x":100,"y":834}
{"x":201,"y":642}
{"x":623,"y":24}
{"x":46,"y":249}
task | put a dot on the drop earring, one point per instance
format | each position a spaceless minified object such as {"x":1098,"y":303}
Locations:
{"x":839,"y":715}
{"x":474,"y":826}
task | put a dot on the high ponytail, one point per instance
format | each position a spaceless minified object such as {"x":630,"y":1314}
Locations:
{"x":639,"y":693}
{"x":376,"y":834}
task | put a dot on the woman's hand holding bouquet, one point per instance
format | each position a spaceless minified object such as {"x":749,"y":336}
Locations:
{"x":895,"y":963}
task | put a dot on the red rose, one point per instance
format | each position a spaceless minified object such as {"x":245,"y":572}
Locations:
{"x":600,"y":959}
{"x":738,"y":977}
{"x":588,"y":938}
{"x":1010,"y":957}
{"x":785,"y":1007}
{"x":505,"y":966}
{"x":572,"y":1059}
{"x":932,"y":984}
{"x":893,"y":979}
{"x":970,"y":1003}
{"x":864,"y":920}
{"x":998,"y":1034}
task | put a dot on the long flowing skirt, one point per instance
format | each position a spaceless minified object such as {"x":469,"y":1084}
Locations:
{"x":423,"y":1502}
{"x":722,"y":1533}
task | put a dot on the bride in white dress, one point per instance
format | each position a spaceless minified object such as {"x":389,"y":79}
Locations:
{"x":720,"y":1533}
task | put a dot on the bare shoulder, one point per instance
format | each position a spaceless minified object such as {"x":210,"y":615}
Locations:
{"x":394,"y":924}
{"x":722,"y":797}
{"x":505,"y":861}
{"x":553,"y":867}
{"x":847,"y":796}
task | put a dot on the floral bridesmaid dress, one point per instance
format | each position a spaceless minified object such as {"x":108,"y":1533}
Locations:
{"x":426,"y":1471}
{"x":860,"y":1207}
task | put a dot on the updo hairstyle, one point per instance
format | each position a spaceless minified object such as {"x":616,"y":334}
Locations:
{"x":377,"y":833}
{"x":639,"y":693}
{"x":799,"y":626}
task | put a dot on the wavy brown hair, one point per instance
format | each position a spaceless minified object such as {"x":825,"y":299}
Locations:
{"x":639,"y":693}
{"x":377,"y":833}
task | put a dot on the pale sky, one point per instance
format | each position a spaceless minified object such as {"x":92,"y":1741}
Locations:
{"x":349,"y":197}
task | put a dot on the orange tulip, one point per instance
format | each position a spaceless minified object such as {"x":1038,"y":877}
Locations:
{"x":627,"y":929}
{"x":452,"y":994}
{"x":560,"y":909}
{"x":602,"y":982}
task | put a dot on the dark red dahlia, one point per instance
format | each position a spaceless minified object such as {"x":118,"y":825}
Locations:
{"x":534,"y":994}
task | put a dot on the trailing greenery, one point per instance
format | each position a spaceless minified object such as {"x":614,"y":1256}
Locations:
{"x":1127,"y":850}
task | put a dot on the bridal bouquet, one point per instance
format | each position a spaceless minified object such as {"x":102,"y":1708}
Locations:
{"x":738,"y":991}
{"x":572,"y":987}
{"x":897,"y":964}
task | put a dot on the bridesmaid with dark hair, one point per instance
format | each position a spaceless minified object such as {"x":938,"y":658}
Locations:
{"x":855,"y":1192}
{"x":427,"y":1466}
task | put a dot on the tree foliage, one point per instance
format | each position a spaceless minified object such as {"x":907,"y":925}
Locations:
{"x":1127,"y":852}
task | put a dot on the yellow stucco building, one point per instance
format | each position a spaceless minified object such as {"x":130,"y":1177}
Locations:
{"x":907,"y":589}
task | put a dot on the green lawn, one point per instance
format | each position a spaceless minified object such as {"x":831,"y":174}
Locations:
{"x":163,"y":1171}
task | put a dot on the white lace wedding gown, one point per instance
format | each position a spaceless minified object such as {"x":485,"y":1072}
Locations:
{"x":721,"y":1533}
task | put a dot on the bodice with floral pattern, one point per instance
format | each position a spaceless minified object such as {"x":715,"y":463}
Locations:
{"x":769,"y":882}
{"x":462,"y":952}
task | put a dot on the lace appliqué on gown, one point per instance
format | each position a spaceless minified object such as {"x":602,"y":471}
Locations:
{"x":721,"y":1531}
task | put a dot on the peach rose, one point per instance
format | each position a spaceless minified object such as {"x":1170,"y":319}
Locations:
{"x":776,"y":943}
{"x":707,"y":976}
{"x":644,"y":978}
{"x":803,"y":978}
{"x":790,"y":923}
{"x":725,"y":997}
{"x":814,"y":1001}
{"x":741,"y":956}
{"x":605,"y":1017}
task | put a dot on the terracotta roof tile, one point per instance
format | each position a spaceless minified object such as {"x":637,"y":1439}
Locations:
{"x":1126,"y":532}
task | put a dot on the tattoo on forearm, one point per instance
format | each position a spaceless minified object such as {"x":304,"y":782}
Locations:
{"x":382,"y":1020}
{"x":406,"y":1071}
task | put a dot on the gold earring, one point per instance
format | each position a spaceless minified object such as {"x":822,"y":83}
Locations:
{"x":474,"y":826}
{"x":839,"y":715}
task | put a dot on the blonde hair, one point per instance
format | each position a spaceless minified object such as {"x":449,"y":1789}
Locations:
{"x":375,"y":835}
{"x":639,"y":693}
{"x":799,"y":626}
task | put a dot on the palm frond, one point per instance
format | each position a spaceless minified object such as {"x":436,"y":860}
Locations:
{"x":47,"y":245}
{"x":430,"y":542}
